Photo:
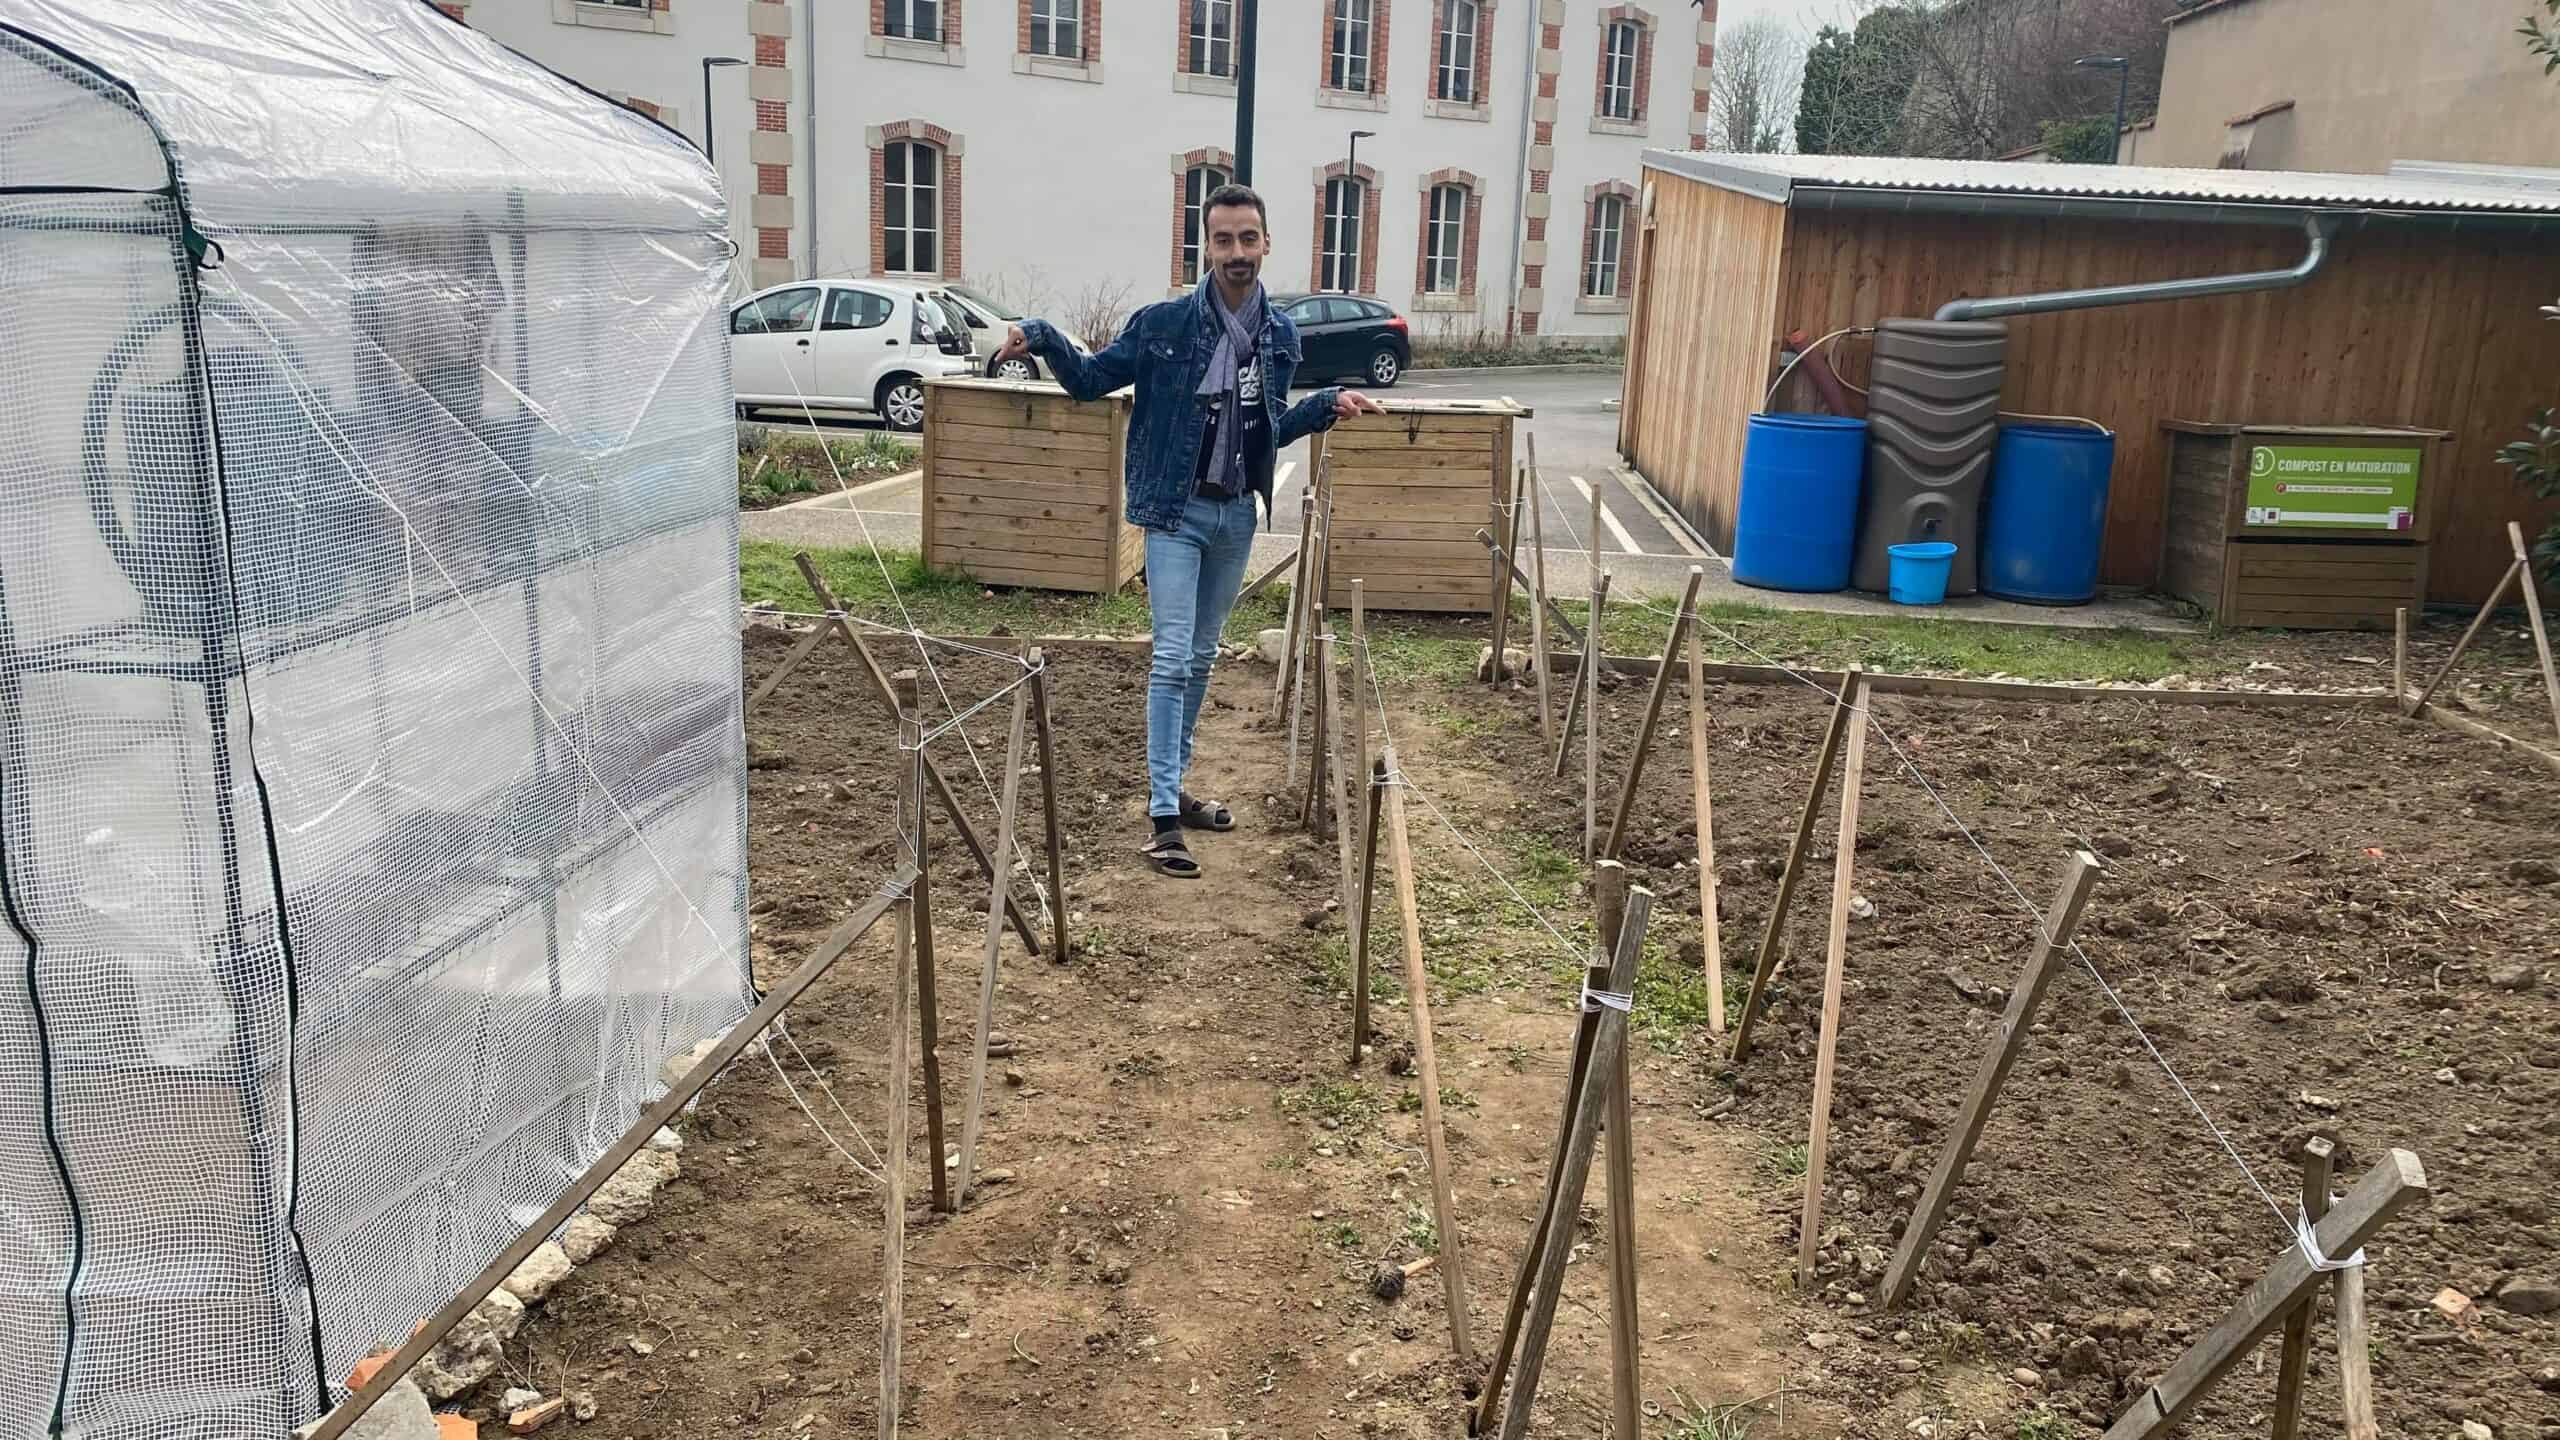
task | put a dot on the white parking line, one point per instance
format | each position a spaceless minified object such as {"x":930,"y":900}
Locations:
{"x":1608,"y":521}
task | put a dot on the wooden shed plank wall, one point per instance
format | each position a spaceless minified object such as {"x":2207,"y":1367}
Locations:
{"x":1705,"y":342}
{"x":2408,"y":325}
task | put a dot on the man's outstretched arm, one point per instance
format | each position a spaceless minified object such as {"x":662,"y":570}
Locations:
{"x":1081,"y":377}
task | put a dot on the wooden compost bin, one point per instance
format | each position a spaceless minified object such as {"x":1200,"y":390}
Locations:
{"x":1410,"y":489}
{"x":2307,"y":527}
{"x":1023,"y":486}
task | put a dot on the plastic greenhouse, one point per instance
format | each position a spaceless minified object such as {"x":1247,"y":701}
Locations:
{"x":371,"y":774}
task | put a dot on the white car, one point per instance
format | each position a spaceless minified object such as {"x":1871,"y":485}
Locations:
{"x":844,"y":347}
{"x":988,"y":319}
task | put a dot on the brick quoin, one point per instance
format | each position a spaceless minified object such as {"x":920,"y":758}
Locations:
{"x":452,"y":10}
{"x":773,"y":179}
{"x":1377,"y":48}
{"x":948,"y":259}
{"x":770,"y":49}
{"x":772,"y":117}
{"x":773,"y":244}
{"x":1191,"y":159}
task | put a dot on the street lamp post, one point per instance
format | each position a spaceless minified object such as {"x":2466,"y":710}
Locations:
{"x":1248,"y":30}
{"x":709,"y":64}
{"x":2124,"y":77}
{"x":1351,"y":172}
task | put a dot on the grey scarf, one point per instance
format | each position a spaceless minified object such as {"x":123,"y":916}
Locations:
{"x":1243,"y":332}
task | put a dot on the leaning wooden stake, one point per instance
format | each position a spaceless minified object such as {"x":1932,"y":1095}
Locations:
{"x":1574,"y":1173}
{"x":799,"y":652}
{"x":2293,"y":1357}
{"x":1520,"y":582}
{"x":1297,"y":598}
{"x":1376,"y":781}
{"x":1844,"y":874}
{"x":1626,"y":1384}
{"x":1538,"y":595}
{"x":1593,"y":659}
{"x":879,"y":679}
{"x":1320,"y":690}
{"x":1263,"y":581}
{"x":1707,"y":921}
{"x":893,"y":1138}
{"x":1507,"y":525}
{"x":1058,"y":950}
{"x":1595,"y":977}
{"x":1417,"y":985}
{"x":1773,"y":936}
{"x":662,"y":1111}
{"x":1582,"y":675}
{"x":911,"y":821}
{"x":989,"y":958}
{"x":2515,"y":571}
{"x":2053,"y":942}
{"x":2533,"y":617}
{"x":1337,"y":800}
{"x":2355,"y":1356}
{"x":2392,"y":1185}
{"x":2400,"y":655}
{"x":1652,"y":715}
{"x":1361,"y":794}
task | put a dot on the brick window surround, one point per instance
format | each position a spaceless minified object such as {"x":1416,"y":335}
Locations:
{"x":952,"y":147}
{"x":1375,"y":96}
{"x":1698,"y":79}
{"x":1479,"y":104}
{"x":1601,"y":120}
{"x":1224,"y":162}
{"x":1369,"y":206}
{"x":1088,"y":36}
{"x":1628,"y":219}
{"x":945,"y":51}
{"x":1462,"y":298}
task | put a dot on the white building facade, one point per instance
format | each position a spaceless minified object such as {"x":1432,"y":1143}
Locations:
{"x":1052,"y":152}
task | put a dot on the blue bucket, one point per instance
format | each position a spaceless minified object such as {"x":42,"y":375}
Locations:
{"x":1920,"y":570}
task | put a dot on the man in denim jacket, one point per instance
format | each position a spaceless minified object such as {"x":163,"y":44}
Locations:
{"x":1212,"y":373}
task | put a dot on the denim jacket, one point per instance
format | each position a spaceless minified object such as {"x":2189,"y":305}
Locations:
{"x":1165,"y":350}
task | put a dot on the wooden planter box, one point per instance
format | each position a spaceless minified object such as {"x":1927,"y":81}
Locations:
{"x":1409,"y":490}
{"x":1023,"y":486}
{"x":2309,"y":541}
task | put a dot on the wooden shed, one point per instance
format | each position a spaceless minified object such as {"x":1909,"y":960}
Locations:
{"x":2426,"y":313}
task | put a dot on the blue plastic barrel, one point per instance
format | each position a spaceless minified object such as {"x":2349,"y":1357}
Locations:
{"x":1796,"y":524}
{"x":2047,"y":513}
{"x":1920,"y":571}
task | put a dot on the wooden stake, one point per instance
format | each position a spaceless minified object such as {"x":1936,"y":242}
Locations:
{"x":790,"y":662}
{"x":1336,"y":800}
{"x":2514,"y":572}
{"x":1417,"y":984}
{"x":2294,"y":1358}
{"x":1773,"y":937}
{"x":1301,"y":699}
{"x":1360,"y":913}
{"x":1263,"y":581}
{"x":1508,"y":527}
{"x":893,"y":1142}
{"x":879,"y":678}
{"x":1596,"y":976}
{"x":989,"y":958}
{"x":662,"y":1111}
{"x":1582,"y":676}
{"x":2397,"y":1182}
{"x":1297,"y":596}
{"x":1520,"y":582}
{"x":2355,"y":1360}
{"x":1626,"y":1385}
{"x":1058,"y":948}
{"x":1320,"y":687}
{"x":1835,"y":959}
{"x":1359,"y":717}
{"x":2061,"y":921}
{"x":1591,"y":725}
{"x":1707,"y":919}
{"x":2400,"y":655}
{"x":1538,"y":595}
{"x":2533,"y":617}
{"x":1652,"y":715}
{"x":911,"y":820}
{"x":1574,"y":1172}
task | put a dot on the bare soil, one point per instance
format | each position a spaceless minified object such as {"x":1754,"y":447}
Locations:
{"x":2315,"y":916}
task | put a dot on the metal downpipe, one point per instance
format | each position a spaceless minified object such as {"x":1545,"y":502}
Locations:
{"x":2319,"y":229}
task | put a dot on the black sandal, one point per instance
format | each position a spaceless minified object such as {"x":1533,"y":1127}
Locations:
{"x":1206,"y":814}
{"x":1170,"y":857}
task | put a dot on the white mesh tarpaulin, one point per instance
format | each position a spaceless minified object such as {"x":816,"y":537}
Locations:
{"x":372,"y":802}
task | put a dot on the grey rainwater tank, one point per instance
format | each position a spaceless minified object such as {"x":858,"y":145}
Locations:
{"x":1933,"y":413}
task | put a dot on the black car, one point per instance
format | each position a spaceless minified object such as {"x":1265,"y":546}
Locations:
{"x":1344,"y":335}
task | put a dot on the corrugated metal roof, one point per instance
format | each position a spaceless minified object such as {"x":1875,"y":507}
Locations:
{"x":1777,"y":177}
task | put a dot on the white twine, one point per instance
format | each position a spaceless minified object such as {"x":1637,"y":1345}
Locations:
{"x":1622,"y":1001}
{"x":2306,"y":1238}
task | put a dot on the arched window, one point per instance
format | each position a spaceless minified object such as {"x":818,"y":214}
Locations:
{"x":1618,"y":98}
{"x":1198,"y":184}
{"x":1454,"y":76}
{"x":1444,"y":241}
{"x":1602,"y":245}
{"x":1346,"y":204}
{"x":911,"y":208}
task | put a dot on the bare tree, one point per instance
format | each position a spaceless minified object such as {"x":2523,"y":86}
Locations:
{"x":1752,"y":102}
{"x":1988,"y":75}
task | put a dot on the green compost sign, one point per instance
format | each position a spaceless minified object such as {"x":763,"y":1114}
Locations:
{"x":2333,"y":487}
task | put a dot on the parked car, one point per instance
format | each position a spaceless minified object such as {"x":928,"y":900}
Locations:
{"x":987,"y":319}
{"x":1344,"y":336}
{"x":844,"y":348}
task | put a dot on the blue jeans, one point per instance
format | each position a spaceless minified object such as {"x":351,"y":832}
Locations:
{"x":1193,"y":573}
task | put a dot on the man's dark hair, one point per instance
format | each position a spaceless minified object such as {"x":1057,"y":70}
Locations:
{"x":1236,"y":195}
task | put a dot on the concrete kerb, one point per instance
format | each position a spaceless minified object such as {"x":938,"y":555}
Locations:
{"x":1569,"y":367}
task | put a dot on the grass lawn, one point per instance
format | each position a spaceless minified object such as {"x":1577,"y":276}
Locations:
{"x":1414,"y":647}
